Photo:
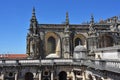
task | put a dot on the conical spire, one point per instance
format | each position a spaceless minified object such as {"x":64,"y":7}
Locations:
{"x":67,"y":18}
{"x":91,"y":26}
{"x":115,"y":24}
{"x":33,"y":13}
{"x":33,"y":22}
{"x":92,"y":19}
{"x":115,"y":19}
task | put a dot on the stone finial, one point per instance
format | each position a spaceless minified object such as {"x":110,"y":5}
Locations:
{"x":92,"y":19}
{"x":115,"y":24}
{"x":67,"y":18}
{"x":91,"y":26}
{"x":33,"y":14}
{"x":33,"y":22}
{"x":115,"y":19}
{"x":79,"y":43}
{"x":33,"y":11}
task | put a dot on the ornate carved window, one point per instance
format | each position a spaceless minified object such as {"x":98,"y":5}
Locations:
{"x":51,"y":45}
{"x":10,"y":74}
{"x":78,"y":41}
{"x":46,"y":73}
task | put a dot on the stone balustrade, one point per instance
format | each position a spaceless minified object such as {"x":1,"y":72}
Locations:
{"x":37,"y":62}
{"x":109,"y":65}
{"x":113,"y":66}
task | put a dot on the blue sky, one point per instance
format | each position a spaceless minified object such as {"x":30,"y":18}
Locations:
{"x":15,"y":17}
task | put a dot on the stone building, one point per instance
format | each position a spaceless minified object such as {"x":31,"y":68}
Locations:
{"x":88,"y":51}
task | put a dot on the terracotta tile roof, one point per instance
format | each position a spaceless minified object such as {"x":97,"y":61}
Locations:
{"x":13,"y":56}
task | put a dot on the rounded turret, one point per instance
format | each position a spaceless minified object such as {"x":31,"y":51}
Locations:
{"x":79,"y":52}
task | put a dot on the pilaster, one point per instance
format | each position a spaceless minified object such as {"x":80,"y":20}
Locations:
{"x":16,"y":76}
{"x":39,"y":75}
{"x":73,"y":75}
{"x":2,"y":75}
{"x":83,"y":74}
{"x":52,"y":75}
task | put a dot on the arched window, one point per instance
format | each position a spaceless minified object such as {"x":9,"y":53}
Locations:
{"x":29,"y":76}
{"x":10,"y":74}
{"x":78,"y":41}
{"x":62,"y":75}
{"x":51,"y":45}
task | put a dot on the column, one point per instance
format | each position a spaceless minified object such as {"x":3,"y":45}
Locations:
{"x":104,"y":78}
{"x":16,"y":76}
{"x":2,"y":76}
{"x":73,"y":75}
{"x":39,"y":75}
{"x":52,"y":75}
{"x":93,"y":77}
{"x":84,"y":76}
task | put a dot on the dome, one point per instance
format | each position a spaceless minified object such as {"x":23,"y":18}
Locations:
{"x":79,"y":52}
{"x":79,"y":48}
{"x":52,"y":56}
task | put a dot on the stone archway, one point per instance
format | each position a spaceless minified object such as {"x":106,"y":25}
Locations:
{"x":62,"y":75}
{"x":90,"y":77}
{"x":10,"y":76}
{"x":29,"y":76}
